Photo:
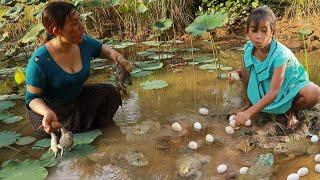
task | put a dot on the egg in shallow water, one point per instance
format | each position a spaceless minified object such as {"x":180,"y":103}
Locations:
{"x":204,"y":111}
{"x":193,"y":145}
{"x":235,"y":76}
{"x":232,"y":118}
{"x":209,"y":138}
{"x":317,"y":158}
{"x":222,"y":168}
{"x":317,"y":168}
{"x":303,"y":171}
{"x":229,"y":130}
{"x":293,"y":176}
{"x":248,"y":123}
{"x":243,"y":170}
{"x":176,"y":127}
{"x":314,"y":138}
{"x":197,"y":126}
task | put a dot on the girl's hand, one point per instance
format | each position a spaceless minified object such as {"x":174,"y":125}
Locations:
{"x":50,"y":122}
{"x":242,"y":117}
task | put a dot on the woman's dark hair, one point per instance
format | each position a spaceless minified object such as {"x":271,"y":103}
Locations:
{"x":55,"y":15}
{"x":263,"y":13}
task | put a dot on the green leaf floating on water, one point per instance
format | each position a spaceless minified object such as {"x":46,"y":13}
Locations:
{"x":162,"y":24}
{"x":26,"y":140}
{"x":305,"y":32}
{"x":8,"y":137}
{"x":190,"y":49}
{"x":210,"y":66}
{"x":151,"y":66}
{"x":42,"y":143}
{"x":155,"y":84}
{"x":226,"y":68}
{"x":33,"y":33}
{"x":5,"y":115}
{"x":141,"y":8}
{"x":141,"y":74}
{"x":151,"y":43}
{"x":4,"y":105}
{"x":161,"y":56}
{"x":206,"y":22}
{"x":25,"y":170}
{"x":12,"y":119}
{"x":146,"y":53}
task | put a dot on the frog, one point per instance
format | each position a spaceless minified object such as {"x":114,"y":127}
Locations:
{"x":66,"y":139}
{"x":262,"y":169}
{"x":134,"y":158}
{"x":55,"y":146}
{"x":246,"y":145}
{"x":122,"y":77}
{"x":293,"y":148}
{"x":189,"y":165}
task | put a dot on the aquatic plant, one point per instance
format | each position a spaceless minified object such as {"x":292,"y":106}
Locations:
{"x":304,"y":33}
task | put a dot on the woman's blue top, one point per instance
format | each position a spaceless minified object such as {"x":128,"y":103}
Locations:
{"x":57,"y":85}
{"x":295,"y":77}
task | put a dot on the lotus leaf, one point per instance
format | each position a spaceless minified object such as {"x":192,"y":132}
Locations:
{"x":13,"y":14}
{"x":162,"y":24}
{"x":7,"y":138}
{"x":4,"y":37}
{"x":151,"y":43}
{"x":210,"y":66}
{"x":155,"y":84}
{"x":26,"y":140}
{"x":33,"y":33}
{"x":141,"y":8}
{"x":172,"y":50}
{"x":222,"y":76}
{"x":161,"y":56}
{"x":85,"y":15}
{"x":175,"y":41}
{"x":136,"y":70}
{"x":5,"y":115}
{"x":86,"y":137}
{"x":122,"y":45}
{"x":145,"y":53}
{"x":191,"y":49}
{"x":142,"y":74}
{"x":204,"y":59}
{"x":12,"y":119}
{"x":305,"y":32}
{"x":30,"y":2}
{"x":7,"y":2}
{"x":4,"y":105}
{"x":151,"y":66}
{"x":78,"y":151}
{"x":206,"y":22}
{"x":226,"y":68}
{"x":11,"y":52}
{"x":41,"y":144}
{"x":25,"y":170}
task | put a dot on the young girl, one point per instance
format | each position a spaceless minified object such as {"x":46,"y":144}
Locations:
{"x":56,"y":72}
{"x":273,"y":79}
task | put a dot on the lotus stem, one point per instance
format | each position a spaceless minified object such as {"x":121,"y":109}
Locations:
{"x":305,"y":54}
{"x":192,"y":55}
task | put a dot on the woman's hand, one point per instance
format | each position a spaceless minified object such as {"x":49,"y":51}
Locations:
{"x":234,"y":76}
{"x":242,"y":117}
{"x":50,"y":122}
{"x":125,"y":64}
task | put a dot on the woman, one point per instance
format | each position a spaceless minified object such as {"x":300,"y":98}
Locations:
{"x":56,"y":72}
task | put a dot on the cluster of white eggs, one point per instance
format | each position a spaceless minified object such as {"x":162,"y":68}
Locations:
{"x":232,"y":124}
{"x":222,"y":168}
{"x":304,"y":170}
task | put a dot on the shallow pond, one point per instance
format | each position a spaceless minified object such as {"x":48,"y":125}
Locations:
{"x":144,"y":123}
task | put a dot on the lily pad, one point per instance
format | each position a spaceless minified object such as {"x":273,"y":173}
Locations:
{"x":226,"y":68}
{"x":4,"y":105}
{"x":210,"y":66}
{"x":5,"y":115}
{"x":86,"y":137}
{"x":204,"y":59}
{"x":78,"y":151}
{"x":151,"y":66}
{"x":155,"y":84}
{"x":122,"y":45}
{"x":151,"y":43}
{"x":14,"y":13}
{"x":141,"y":74}
{"x":26,"y":140}
{"x":7,"y":138}
{"x":7,"y":2}
{"x":222,"y":76}
{"x":191,"y":49}
{"x":161,"y":56}
{"x":141,"y":8}
{"x":146,"y":53}
{"x":12,"y":119}
{"x":41,"y":144}
{"x":162,"y":24}
{"x":206,"y":22}
{"x":27,"y":169}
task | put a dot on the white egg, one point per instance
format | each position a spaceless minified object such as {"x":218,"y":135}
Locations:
{"x":235,"y":76}
{"x":317,"y":158}
{"x":317,"y":168}
{"x":232,"y":118}
{"x":248,"y":123}
{"x":293,"y":176}
{"x":209,"y":138}
{"x":243,"y":170}
{"x":314,"y":138}
{"x":222,"y":168}
{"x":176,"y":126}
{"x":303,"y":171}
{"x":229,"y":130}
{"x":204,"y":111}
{"x":197,"y":126}
{"x":193,"y":145}
{"x":232,"y":123}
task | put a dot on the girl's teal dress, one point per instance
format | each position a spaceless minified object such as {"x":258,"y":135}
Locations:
{"x":295,"y":77}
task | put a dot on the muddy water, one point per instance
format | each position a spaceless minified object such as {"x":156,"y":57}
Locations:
{"x":179,"y":102}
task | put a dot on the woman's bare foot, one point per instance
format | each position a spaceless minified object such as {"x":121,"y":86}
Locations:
{"x":292,"y":120}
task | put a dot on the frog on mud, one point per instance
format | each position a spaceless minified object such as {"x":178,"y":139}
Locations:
{"x":262,"y":169}
{"x":246,"y":145}
{"x":189,"y":165}
{"x":294,"y":148}
{"x":122,"y":77}
{"x":66,"y":139}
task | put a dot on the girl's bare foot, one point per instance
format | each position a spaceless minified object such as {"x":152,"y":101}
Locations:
{"x":292,"y":120}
